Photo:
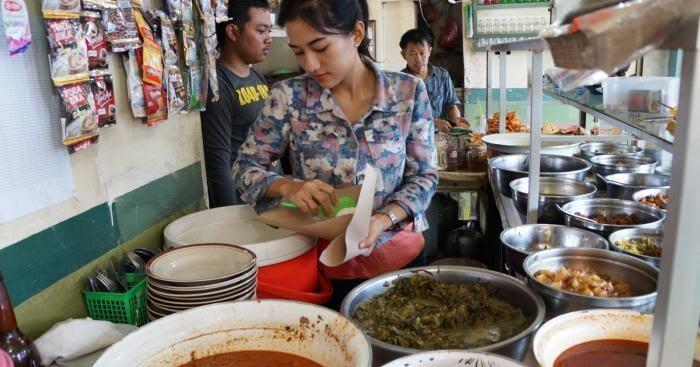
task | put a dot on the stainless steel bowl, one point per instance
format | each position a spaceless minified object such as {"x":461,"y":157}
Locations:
{"x":604,"y":165}
{"x":553,"y":191}
{"x":641,"y":194}
{"x":650,"y":217}
{"x":637,"y":233}
{"x":590,"y":150}
{"x":522,"y":241}
{"x":509,"y":289}
{"x":641,"y":277}
{"x":624,"y":185}
{"x":504,"y":169}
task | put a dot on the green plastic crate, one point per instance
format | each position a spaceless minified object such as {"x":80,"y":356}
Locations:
{"x":123,"y":308}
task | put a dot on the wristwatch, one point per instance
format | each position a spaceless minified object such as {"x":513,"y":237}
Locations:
{"x":387,"y":211}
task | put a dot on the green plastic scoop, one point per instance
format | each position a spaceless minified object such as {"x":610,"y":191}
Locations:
{"x":344,"y":202}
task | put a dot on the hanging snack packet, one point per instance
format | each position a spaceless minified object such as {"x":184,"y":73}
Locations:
{"x":61,"y":9}
{"x":105,"y":104}
{"x":78,"y":118}
{"x":16,"y":23}
{"x":195,"y":88}
{"x":96,"y":43}
{"x":135,"y":85}
{"x":120,"y":28}
{"x":177,"y":94}
{"x":155,"y":98}
{"x":152,"y":53}
{"x":175,"y":10}
{"x":221,"y":11}
{"x":97,"y":5}
{"x":68,"y":51}
{"x":82,"y":145}
{"x":189,"y":43}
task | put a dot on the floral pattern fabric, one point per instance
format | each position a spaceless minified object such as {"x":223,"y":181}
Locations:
{"x":395,"y":137}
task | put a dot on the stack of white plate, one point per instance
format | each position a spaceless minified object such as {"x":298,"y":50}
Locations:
{"x":198,"y":275}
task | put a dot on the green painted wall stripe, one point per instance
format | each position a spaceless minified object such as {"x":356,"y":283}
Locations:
{"x":142,"y":208}
{"x":38,"y":261}
{"x":33,"y":264}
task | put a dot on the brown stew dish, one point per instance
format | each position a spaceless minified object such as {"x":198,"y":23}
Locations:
{"x":606,"y":353}
{"x":252,"y":358}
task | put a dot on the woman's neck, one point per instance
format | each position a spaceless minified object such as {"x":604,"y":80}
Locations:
{"x":358,"y":83}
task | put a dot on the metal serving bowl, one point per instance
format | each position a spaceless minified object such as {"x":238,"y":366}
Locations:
{"x":590,"y":150}
{"x":604,"y":165}
{"x":650,"y":217}
{"x":624,"y":185}
{"x":641,"y":277}
{"x":522,"y":241}
{"x":641,"y":194}
{"x":509,"y":289}
{"x":452,"y":358}
{"x":507,"y":168}
{"x":637,"y":233}
{"x":553,"y":190}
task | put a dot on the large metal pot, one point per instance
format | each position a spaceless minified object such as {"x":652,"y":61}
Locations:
{"x":604,"y":165}
{"x":641,"y":194}
{"x":509,"y":289}
{"x":553,"y":191}
{"x":522,"y":241}
{"x":655,"y":235}
{"x":641,"y":277}
{"x":576,"y":210}
{"x":624,"y":185}
{"x":566,"y":331}
{"x":590,"y":150}
{"x":306,"y":330}
{"x":504,"y":169}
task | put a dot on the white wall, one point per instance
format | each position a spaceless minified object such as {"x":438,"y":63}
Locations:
{"x":475,"y":62}
{"x":393,"y":17}
{"x":126,"y":157}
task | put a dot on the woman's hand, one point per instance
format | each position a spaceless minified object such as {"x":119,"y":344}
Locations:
{"x":309,"y":195}
{"x":378,"y":224}
{"x":443,"y":125}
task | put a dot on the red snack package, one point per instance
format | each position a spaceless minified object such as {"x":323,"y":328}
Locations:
{"x":105,"y":104}
{"x":96,"y":42}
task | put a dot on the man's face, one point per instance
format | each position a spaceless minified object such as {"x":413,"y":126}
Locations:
{"x":253,"y":41}
{"x":416,"y":56}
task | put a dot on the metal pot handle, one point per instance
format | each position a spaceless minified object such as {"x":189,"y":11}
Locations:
{"x":602,"y":177}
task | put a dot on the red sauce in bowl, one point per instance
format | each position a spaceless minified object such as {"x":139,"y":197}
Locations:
{"x":252,"y":358}
{"x":606,"y":353}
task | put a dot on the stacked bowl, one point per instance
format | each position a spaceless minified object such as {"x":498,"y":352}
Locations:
{"x":197,"y":275}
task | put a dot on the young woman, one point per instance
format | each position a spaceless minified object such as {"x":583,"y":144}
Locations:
{"x":336,"y":119}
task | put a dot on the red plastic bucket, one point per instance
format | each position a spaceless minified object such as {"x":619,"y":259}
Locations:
{"x":319,"y":296}
{"x":299,"y":274}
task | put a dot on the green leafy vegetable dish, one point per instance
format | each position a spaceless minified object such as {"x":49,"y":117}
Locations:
{"x":422,"y":313}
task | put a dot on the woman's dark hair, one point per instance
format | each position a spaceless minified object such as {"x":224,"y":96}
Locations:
{"x":417,"y":36}
{"x":328,"y":16}
{"x":239,"y":14}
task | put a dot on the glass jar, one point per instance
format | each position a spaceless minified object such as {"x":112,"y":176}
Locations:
{"x":441,"y":150}
{"x":462,"y":153}
{"x":452,"y":153}
{"x":476,"y":158}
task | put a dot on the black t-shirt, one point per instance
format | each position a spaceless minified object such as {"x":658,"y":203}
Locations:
{"x":225,"y":126}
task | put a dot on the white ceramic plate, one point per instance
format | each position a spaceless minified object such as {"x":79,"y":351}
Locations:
{"x":565,"y":331}
{"x":452,"y":358}
{"x":236,"y":225}
{"x":202,"y":295}
{"x":239,"y":294}
{"x":519,"y":143}
{"x":299,"y":328}
{"x":203,"y":264}
{"x":250,"y":294}
{"x":213,"y":287}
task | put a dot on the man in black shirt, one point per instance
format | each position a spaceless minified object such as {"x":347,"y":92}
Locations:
{"x":244,"y":40}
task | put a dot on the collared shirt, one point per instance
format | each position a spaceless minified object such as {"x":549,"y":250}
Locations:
{"x":440,"y":89}
{"x":395,"y":137}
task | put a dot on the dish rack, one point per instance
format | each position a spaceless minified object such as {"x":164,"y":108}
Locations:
{"x":122,"y":308}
